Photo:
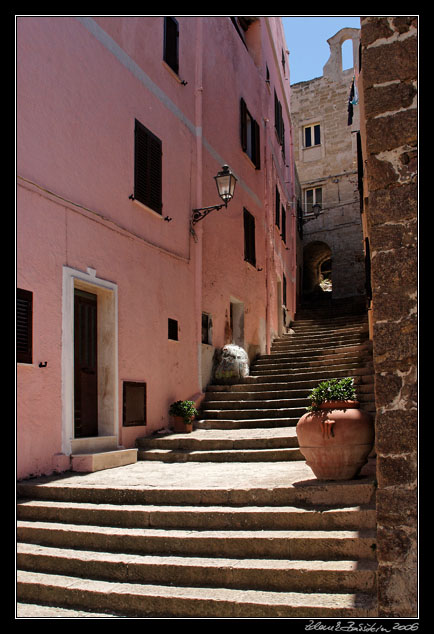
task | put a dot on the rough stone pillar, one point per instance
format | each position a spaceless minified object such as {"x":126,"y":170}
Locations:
{"x":388,"y":93}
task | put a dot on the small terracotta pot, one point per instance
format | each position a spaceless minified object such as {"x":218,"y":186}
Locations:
{"x":336,"y":440}
{"x":180,"y":426}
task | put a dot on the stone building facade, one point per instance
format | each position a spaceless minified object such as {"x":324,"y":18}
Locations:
{"x":325,"y":151}
{"x":389,"y":116}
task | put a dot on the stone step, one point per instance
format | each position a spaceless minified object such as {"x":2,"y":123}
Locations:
{"x":215,"y":439}
{"x":255,"y":404}
{"x":313,"y":374}
{"x":198,"y":517}
{"x":298,"y":346}
{"x":256,"y":414}
{"x":344,"y":543}
{"x":262,"y":484}
{"x":98,"y":461}
{"x":300,"y":361}
{"x":301,"y":389}
{"x":288,"y":366}
{"x":221,"y":455}
{"x":147,"y":600}
{"x":319,"y":336}
{"x":252,"y":574}
{"x":362,"y":350}
{"x":364,"y":392}
{"x":246,"y":423}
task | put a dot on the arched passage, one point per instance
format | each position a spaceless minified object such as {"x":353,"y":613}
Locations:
{"x":317,"y":268}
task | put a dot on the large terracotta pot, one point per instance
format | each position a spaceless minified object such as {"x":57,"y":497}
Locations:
{"x":336,"y":441}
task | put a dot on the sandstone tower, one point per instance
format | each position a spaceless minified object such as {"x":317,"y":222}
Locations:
{"x":326,"y":134}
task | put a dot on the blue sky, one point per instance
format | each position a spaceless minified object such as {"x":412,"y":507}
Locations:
{"x":306,"y":38}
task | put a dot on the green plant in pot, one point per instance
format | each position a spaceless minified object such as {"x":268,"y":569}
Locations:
{"x":333,"y":390}
{"x":183,"y":413}
{"x":335,"y":435}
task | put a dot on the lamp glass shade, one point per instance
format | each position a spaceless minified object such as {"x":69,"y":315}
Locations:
{"x":225,"y":182}
{"x":316,"y":210}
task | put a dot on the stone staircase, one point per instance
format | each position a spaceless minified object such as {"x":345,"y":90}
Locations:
{"x":247,"y":532}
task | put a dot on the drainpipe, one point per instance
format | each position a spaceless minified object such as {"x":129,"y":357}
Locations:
{"x":198,"y":259}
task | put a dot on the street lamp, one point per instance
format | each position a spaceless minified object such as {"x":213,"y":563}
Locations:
{"x":316,"y":212}
{"x":225,"y":182}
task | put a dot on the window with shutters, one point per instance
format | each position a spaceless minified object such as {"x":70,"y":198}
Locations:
{"x":249,"y":238}
{"x":171,"y":43}
{"x":250,"y":141}
{"x":147,"y":168}
{"x":24,"y":326}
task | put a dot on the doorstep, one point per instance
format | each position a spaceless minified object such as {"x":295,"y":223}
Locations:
{"x":98,"y":461}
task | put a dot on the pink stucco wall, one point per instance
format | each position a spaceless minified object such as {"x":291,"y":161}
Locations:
{"x":81,"y":83}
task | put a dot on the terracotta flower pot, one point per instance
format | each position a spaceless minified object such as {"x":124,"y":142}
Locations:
{"x":180,"y":426}
{"x":336,"y":440}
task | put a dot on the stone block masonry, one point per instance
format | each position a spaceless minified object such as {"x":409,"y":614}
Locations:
{"x":388,"y":89}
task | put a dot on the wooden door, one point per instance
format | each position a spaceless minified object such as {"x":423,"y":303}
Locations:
{"x":85,"y":365}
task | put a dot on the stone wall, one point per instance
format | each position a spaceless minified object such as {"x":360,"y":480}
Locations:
{"x":388,"y":100}
{"x":332,"y":166}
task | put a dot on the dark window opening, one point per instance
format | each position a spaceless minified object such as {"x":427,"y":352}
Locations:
{"x":283,"y":234}
{"x":284,"y":293}
{"x":24,"y":326}
{"x":171,"y":43}
{"x":206,"y":328}
{"x":277,"y":208}
{"x":278,"y":122}
{"x":173,"y":329}
{"x":249,"y":238}
{"x":147,"y":168}
{"x":312,"y":135}
{"x":250,"y":133}
{"x":134,"y":404}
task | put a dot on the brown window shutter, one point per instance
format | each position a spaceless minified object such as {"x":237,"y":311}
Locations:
{"x":257,"y":145}
{"x":277,"y":208}
{"x":243,"y":120}
{"x":148,"y":168}
{"x":249,"y":238}
{"x":283,"y":224}
{"x":24,"y":327}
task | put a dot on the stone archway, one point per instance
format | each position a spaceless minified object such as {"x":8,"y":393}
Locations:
{"x":317,"y":267}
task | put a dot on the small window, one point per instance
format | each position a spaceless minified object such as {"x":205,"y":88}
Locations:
{"x":312,"y":197}
{"x":250,"y":135}
{"x":24,"y":326}
{"x":147,"y":168}
{"x":206,"y":329}
{"x":284,"y":291}
{"x":249,"y":238}
{"x":277,"y":208}
{"x":173,"y":329}
{"x":312,"y":135}
{"x":171,"y":46}
{"x":134,"y":404}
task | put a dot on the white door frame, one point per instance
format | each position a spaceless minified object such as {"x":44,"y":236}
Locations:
{"x":108,"y":397}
